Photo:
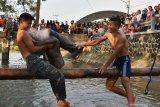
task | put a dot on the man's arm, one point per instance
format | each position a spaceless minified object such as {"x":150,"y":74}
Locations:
{"x":113,"y":56}
{"x":30,"y":46}
{"x":94,"y":42}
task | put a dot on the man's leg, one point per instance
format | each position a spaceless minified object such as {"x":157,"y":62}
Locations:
{"x":110,"y":85}
{"x":57,"y":81}
{"x":126,"y":84}
{"x":54,"y":55}
{"x":66,"y":44}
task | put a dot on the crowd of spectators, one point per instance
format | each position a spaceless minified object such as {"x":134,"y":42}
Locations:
{"x":130,"y":23}
{"x":134,"y":22}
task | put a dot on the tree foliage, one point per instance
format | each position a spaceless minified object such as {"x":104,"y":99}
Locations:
{"x":5,"y":6}
{"x":17,"y":6}
{"x":28,"y":6}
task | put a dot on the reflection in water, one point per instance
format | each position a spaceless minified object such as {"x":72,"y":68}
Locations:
{"x":81,"y":92}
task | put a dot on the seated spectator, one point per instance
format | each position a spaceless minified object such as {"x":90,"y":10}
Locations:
{"x":128,"y":20}
{"x":122,"y":18}
{"x":126,"y":29}
{"x":135,"y":26}
{"x":149,"y":13}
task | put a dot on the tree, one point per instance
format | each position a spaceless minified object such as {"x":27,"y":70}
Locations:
{"x":28,"y":6}
{"x":6,"y":7}
{"x":35,"y":9}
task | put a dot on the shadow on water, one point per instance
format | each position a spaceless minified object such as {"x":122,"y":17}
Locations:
{"x":81,"y":92}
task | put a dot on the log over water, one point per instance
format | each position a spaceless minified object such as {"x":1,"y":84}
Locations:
{"x":23,"y":74}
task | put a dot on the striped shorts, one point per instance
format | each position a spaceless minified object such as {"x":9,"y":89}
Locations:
{"x":123,"y":64}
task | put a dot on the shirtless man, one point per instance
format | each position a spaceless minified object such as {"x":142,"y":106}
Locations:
{"x":35,"y":64}
{"x":120,"y":57}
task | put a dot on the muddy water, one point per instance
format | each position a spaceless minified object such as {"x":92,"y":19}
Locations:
{"x":80,"y":92}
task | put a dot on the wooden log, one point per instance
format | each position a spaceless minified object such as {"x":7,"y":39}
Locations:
{"x":14,"y":74}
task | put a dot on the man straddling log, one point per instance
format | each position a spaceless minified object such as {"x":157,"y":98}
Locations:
{"x":120,"y":57}
{"x":37,"y":65}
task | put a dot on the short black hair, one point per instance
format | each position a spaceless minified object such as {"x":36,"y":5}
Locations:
{"x":25,"y":16}
{"x":116,"y":20}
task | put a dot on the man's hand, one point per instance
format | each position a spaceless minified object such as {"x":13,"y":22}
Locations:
{"x":102,"y":69}
{"x":48,"y":46}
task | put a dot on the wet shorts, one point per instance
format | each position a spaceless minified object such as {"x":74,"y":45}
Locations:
{"x":123,"y":64}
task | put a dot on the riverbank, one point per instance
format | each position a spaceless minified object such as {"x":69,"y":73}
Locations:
{"x":93,"y":56}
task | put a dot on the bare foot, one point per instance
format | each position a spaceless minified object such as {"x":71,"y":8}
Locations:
{"x":63,"y":103}
{"x":132,"y":104}
{"x":134,"y":99}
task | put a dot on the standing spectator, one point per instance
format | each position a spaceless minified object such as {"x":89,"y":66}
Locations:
{"x":138,"y":15}
{"x":84,"y":28}
{"x":66,"y":27}
{"x":133,"y":16}
{"x":156,"y":10}
{"x":48,"y":24}
{"x":2,"y":21}
{"x":78,"y":28}
{"x":144,"y":15}
{"x":156,"y":17}
{"x":54,"y":26}
{"x":72,"y":27}
{"x":100,"y":30}
{"x":43,"y":24}
{"x":58,"y":27}
{"x":62,"y":27}
{"x":158,"y":21}
{"x":14,"y":29}
{"x":9,"y":28}
{"x":149,"y":13}
{"x":90,"y":32}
